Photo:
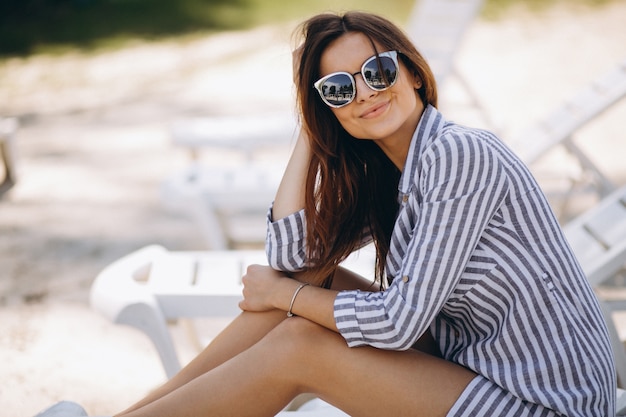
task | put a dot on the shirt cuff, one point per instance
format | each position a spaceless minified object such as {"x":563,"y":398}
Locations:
{"x":285,"y":241}
{"x":289,"y":229}
{"x":346,"y":318}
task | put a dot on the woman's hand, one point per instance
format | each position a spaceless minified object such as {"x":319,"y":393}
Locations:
{"x":260,"y":284}
{"x":266,"y":289}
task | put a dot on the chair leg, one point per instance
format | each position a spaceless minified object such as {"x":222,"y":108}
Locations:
{"x":604,"y":186}
{"x":207,"y":217}
{"x":150,"y":320}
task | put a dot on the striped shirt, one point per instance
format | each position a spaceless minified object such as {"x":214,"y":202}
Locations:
{"x":478,"y":259}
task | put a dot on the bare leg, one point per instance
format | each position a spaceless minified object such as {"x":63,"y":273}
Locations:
{"x":242,"y":333}
{"x":300,"y":356}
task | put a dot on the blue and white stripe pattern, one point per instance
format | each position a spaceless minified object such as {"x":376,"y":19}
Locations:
{"x":478,"y":259}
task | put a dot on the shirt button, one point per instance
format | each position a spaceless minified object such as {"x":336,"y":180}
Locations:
{"x":405,"y":279}
{"x":405,"y":198}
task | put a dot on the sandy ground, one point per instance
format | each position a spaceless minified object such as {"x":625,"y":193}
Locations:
{"x":94,"y":147}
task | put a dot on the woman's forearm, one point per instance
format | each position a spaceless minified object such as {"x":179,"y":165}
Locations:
{"x":290,"y":195}
{"x":310,"y":302}
{"x":317,"y":304}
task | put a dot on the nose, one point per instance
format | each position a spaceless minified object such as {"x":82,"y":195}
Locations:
{"x":363,"y":91}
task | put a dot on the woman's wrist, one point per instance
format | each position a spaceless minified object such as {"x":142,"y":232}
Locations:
{"x":293,"y":298}
{"x":285,"y":298}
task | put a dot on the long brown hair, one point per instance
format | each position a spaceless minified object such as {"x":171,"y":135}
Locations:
{"x":351,"y":185}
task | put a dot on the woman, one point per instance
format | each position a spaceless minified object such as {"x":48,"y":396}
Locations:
{"x":486,"y":311}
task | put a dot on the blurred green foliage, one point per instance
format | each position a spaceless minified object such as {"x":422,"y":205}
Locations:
{"x":32,"y":26}
{"x":28,"y":26}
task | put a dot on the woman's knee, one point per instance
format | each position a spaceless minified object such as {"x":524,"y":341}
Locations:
{"x":297,"y":338}
{"x":300,"y":348}
{"x":298,"y":332}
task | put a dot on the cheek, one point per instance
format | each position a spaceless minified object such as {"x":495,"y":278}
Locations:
{"x":407,"y":98}
{"x":349,"y":123}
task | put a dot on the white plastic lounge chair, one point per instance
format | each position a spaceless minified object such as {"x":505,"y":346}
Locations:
{"x":560,"y":126}
{"x":246,"y":134}
{"x":152,"y":286}
{"x":598,"y":237}
{"x":148,"y":287}
{"x":437,"y":28}
{"x":8,"y":127}
{"x":229,"y":202}
{"x":313,"y":408}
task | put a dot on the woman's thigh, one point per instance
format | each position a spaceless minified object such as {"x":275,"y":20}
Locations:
{"x":366,"y":381}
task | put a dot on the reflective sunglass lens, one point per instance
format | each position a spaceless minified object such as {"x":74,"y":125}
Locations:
{"x":338,"y":90}
{"x":377,"y":79}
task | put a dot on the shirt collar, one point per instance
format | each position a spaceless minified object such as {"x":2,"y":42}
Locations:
{"x":430,"y":123}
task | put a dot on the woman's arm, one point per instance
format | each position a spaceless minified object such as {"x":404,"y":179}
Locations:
{"x":266,"y":289}
{"x":286,"y":223}
{"x":290,"y":195}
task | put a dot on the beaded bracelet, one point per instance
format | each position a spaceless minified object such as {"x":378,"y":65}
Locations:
{"x":295,"y":294}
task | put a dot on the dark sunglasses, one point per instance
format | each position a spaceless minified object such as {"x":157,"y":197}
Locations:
{"x":379,"y":73}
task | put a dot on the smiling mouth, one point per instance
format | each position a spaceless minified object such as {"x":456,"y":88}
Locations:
{"x":375,"y":110}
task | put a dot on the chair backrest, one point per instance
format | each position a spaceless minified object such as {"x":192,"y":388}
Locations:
{"x":561,"y":124}
{"x":559,"y":127}
{"x":437,"y":28}
{"x":246,"y":134}
{"x":598,"y":237}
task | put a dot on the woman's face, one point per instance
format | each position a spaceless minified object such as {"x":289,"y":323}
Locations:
{"x":389,"y":116}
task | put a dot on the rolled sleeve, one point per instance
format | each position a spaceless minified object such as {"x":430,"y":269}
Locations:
{"x":369,"y":319}
{"x":346,"y":318}
{"x":285,"y":242}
